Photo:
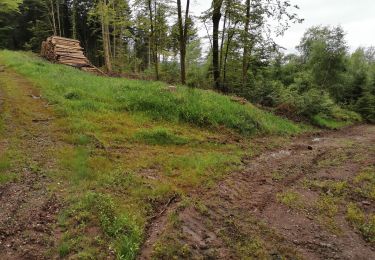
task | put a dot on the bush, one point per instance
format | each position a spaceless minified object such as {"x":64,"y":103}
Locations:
{"x":366,"y":107}
{"x":314,"y":102}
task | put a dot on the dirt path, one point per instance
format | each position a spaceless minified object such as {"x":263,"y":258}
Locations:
{"x":287,"y":203}
{"x":28,"y":209}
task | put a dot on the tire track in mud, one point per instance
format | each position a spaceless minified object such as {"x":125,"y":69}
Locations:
{"x":245,"y":206}
{"x":28,"y":209}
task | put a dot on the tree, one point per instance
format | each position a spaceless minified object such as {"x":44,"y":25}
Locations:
{"x":245,"y":58}
{"x":324,"y":51}
{"x":216,"y":17}
{"x":105,"y":33}
{"x":183,"y":37}
{"x":9,"y":5}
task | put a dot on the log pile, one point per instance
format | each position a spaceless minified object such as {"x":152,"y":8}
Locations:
{"x":68,"y":52}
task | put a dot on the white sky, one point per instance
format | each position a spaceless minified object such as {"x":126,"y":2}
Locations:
{"x":357,"y":17}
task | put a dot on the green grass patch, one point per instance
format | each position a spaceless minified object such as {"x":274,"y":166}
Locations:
{"x":366,"y":182}
{"x":5,"y":167}
{"x":160,"y":136}
{"x":118,"y":229}
{"x":365,"y":224}
{"x":330,"y":123}
{"x":336,"y":188}
{"x":76,"y":163}
{"x":290,"y":199}
{"x":76,"y":92}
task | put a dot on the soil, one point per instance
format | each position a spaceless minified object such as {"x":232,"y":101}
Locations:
{"x":243,"y":208}
{"x":240,"y":217}
{"x":28,"y":210}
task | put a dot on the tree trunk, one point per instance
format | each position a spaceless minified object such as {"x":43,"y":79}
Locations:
{"x":223,"y":40}
{"x":245,"y":58}
{"x":53,"y":18}
{"x":153,"y":47}
{"x":229,"y":41}
{"x":58,"y":15}
{"x":114,"y":32}
{"x":216,"y":16}
{"x":183,"y":34}
{"x":74,"y":19}
{"x":105,"y":31}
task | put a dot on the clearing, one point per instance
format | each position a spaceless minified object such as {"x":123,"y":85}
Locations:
{"x":120,"y":173}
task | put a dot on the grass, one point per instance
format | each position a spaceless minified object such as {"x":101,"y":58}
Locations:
{"x":330,"y":123}
{"x":365,"y":224}
{"x":160,"y":136}
{"x":129,"y":146}
{"x":5,"y":166}
{"x":366,"y":182}
{"x":290,"y":199}
{"x":77,"y":92}
{"x":335,"y":188}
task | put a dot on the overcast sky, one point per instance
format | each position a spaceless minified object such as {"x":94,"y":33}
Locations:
{"x":357,"y":17}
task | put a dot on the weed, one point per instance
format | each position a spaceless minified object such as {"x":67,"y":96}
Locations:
{"x":336,"y":158}
{"x":252,"y":249}
{"x":336,"y":188}
{"x":290,"y":199}
{"x":100,"y":209}
{"x":366,"y":225}
{"x":170,"y":248}
{"x":355,"y":215}
{"x":327,"y":205}
{"x":202,"y":208}
{"x":278,"y":176}
{"x":366,"y":181}
{"x":64,"y":249}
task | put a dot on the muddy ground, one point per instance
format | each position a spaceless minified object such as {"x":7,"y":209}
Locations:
{"x":290,"y":202}
{"x":283,"y":204}
{"x":28,"y":210}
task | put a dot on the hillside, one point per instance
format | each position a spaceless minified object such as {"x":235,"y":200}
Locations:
{"x":122,"y":149}
{"x":97,"y":167}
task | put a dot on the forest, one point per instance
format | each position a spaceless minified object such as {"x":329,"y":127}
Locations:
{"x":184,"y":133}
{"x":158,"y":40}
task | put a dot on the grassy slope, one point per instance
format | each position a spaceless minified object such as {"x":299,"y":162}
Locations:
{"x":133,"y":145}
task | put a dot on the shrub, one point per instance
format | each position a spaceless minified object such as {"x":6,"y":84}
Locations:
{"x":366,"y":107}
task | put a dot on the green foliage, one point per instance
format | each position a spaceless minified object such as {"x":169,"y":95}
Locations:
{"x":9,"y":5}
{"x":365,"y":105}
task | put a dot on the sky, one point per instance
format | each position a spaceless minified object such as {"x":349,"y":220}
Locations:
{"x":357,"y":17}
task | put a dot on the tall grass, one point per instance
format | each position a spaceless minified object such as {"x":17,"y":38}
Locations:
{"x":76,"y":91}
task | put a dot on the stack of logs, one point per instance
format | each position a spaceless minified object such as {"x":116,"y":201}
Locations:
{"x":68,"y":52}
